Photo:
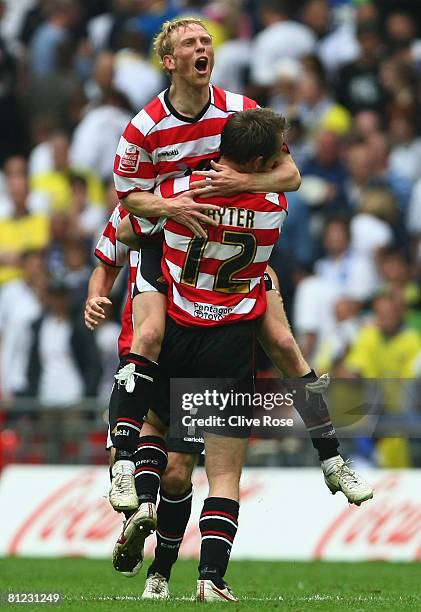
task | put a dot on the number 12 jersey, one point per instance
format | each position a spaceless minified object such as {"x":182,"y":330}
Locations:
{"x":219,"y":280}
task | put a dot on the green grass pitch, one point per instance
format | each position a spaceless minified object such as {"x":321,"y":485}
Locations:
{"x":93,"y":586}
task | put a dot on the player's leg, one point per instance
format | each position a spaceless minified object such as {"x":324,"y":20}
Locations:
{"x":150,"y":461}
{"x":228,"y":352}
{"x":276,"y":337}
{"x":137,"y":374}
{"x":224,"y":458}
{"x":173,"y":515}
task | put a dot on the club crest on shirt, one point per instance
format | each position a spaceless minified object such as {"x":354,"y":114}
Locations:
{"x":129,"y":162}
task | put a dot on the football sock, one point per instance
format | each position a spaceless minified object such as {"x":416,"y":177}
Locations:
{"x":313,"y":410}
{"x":173,"y":515}
{"x":218,"y":526}
{"x":150,"y":461}
{"x":133,"y":405}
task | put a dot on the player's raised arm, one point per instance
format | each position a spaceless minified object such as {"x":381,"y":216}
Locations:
{"x":226,"y":181}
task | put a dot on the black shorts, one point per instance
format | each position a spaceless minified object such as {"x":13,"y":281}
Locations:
{"x":193,"y":445}
{"x":222,"y":352}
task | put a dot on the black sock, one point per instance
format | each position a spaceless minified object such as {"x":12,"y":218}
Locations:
{"x":173,"y":515}
{"x":315,"y":414}
{"x":132,"y":407}
{"x":150,"y":460}
{"x":218,"y":526}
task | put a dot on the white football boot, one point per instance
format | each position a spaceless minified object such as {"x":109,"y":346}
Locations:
{"x":339,"y":477}
{"x":128,"y":550}
{"x":156,"y":587}
{"x":122,"y":495}
{"x":208,"y":591}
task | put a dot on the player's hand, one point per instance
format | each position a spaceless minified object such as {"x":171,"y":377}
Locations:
{"x":186,"y":211}
{"x":94,"y":311}
{"x":220,"y":181}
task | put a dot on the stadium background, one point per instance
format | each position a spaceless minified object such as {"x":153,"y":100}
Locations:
{"x":349,"y":80}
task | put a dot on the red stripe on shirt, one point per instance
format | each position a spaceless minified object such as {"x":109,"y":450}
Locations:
{"x":156,"y":110}
{"x":220,"y":98}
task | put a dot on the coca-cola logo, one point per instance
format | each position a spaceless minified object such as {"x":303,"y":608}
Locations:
{"x":389,"y":526}
{"x":77,"y":517}
{"x":74,"y":512}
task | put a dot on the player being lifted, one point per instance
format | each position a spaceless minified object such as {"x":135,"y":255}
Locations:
{"x":174,"y":135}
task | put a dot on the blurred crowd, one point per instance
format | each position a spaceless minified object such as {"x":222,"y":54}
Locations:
{"x":347,"y":74}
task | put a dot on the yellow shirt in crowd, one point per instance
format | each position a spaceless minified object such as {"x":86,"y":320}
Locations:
{"x":377,"y":356}
{"x":374,"y":355}
{"x":30,"y":232}
{"x":57,"y":186}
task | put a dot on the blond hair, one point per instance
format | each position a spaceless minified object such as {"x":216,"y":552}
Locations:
{"x":163,"y":43}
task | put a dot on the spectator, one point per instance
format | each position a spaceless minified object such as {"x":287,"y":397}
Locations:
{"x":77,"y":272}
{"x":316,"y":105}
{"x":16,"y":169}
{"x":58,"y":92}
{"x":64,"y":363}
{"x":96,"y":137}
{"x":348,"y":320}
{"x":62,"y":15}
{"x":359,"y":86}
{"x":86,"y":218}
{"x":387,"y":349}
{"x":56,"y":184}
{"x":326,"y":164}
{"x":371,"y":227}
{"x":105,"y":28}
{"x":280,"y":38}
{"x":342,"y":272}
{"x":360,"y":166}
{"x":134,"y":75}
{"x":101,"y":79}
{"x":401,"y":33}
{"x":14,"y":139}
{"x":15,"y":323}
{"x":284,"y":94}
{"x":399,"y":81}
{"x":405,"y":154}
{"x":396,"y":278}
{"x":20,"y":230}
{"x":233,"y":57}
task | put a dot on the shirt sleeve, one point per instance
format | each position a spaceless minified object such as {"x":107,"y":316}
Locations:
{"x":133,"y":166}
{"x":109,"y":249}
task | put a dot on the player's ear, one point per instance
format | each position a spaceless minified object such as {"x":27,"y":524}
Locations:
{"x":259,"y":164}
{"x":168,"y":62}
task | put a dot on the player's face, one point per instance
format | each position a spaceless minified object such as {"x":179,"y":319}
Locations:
{"x":192,"y":59}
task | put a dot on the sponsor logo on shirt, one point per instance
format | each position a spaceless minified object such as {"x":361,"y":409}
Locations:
{"x":129,"y":162}
{"x":170,"y":153}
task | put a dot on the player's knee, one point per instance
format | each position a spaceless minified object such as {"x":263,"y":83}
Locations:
{"x":177,"y":477}
{"x":150,"y":337}
{"x":283,"y":341}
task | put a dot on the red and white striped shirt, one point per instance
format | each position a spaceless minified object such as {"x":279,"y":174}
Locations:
{"x":219,"y":281}
{"x":116,"y":254}
{"x":159,"y":143}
